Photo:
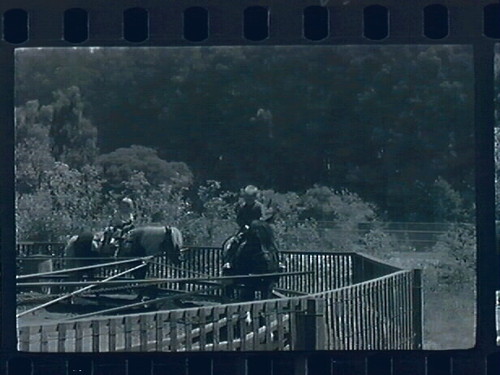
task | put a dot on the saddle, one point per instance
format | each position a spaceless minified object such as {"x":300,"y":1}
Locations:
{"x":114,"y":238}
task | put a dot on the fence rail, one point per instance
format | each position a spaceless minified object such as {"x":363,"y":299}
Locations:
{"x":351,"y":301}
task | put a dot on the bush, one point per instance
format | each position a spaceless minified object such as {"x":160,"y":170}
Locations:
{"x":458,"y":245}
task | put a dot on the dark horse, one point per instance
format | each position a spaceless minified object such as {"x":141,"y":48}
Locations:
{"x":139,"y":242}
{"x":253,"y":253}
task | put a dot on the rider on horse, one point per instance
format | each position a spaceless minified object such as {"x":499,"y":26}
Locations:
{"x":250,"y":209}
{"x":246,"y":212}
{"x":121,"y":223}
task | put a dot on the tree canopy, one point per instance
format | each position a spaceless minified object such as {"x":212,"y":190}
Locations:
{"x":385,"y":122}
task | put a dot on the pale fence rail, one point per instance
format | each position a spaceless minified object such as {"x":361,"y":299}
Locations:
{"x":367,"y":305}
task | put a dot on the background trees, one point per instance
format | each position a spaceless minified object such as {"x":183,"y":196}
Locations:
{"x":391,"y":126}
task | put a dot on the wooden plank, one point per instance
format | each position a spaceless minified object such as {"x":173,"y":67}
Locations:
{"x":256,"y":309}
{"x":43,"y":339}
{"x":295,"y":308}
{"x":95,"y":326}
{"x":355,"y":318}
{"x":231,"y":326}
{"x":329,"y":320}
{"x":337,"y":315}
{"x":128,"y":330}
{"x":417,"y":309}
{"x":400,"y":311}
{"x":111,"y":334}
{"x":159,"y":319}
{"x":362,"y":317}
{"x":391,"y":313}
{"x":218,"y":314}
{"x":173,"y":319}
{"x":387,"y":322}
{"x":376,"y":316}
{"x":369,"y":316}
{"x":269,"y":311}
{"x":143,"y":332}
{"x":202,"y":316}
{"x":79,"y":336}
{"x":24,"y":338}
{"x":280,"y":331}
{"x":243,"y":325}
{"x":189,"y":318}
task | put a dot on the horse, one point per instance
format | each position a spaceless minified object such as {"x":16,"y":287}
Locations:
{"x":80,"y":251}
{"x":138,"y":242}
{"x":252,"y":252}
{"x":151,"y":241}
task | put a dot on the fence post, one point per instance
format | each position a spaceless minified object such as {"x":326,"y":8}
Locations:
{"x":417,"y":310}
{"x":310,"y":326}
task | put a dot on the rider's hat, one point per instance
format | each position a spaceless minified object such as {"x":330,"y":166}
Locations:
{"x":250,"y":191}
{"x":127,"y":202}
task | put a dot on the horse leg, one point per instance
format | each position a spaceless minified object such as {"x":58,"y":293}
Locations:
{"x":247,"y":293}
{"x":142,"y":291}
{"x":266,"y":289}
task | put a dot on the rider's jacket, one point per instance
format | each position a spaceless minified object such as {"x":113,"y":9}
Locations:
{"x":121,"y":224}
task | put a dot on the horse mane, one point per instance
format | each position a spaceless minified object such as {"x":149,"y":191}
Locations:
{"x":264,"y":232}
{"x":176,"y":237}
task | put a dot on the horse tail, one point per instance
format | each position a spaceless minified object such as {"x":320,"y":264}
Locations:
{"x":78,"y":246}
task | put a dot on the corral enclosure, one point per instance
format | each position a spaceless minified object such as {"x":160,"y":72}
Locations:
{"x":345,"y":301}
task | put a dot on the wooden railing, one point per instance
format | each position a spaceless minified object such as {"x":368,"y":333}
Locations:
{"x":367,"y":304}
{"x":383,"y":313}
{"x":262,"y":325}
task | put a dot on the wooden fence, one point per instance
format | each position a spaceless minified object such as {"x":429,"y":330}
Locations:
{"x":363,"y":304}
{"x":263,"y":325}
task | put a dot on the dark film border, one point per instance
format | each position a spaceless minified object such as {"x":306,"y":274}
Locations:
{"x":31,"y":23}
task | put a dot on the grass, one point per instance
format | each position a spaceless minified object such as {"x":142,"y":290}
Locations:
{"x":449,"y":308}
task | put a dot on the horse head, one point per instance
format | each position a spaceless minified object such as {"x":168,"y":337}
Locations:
{"x":261,"y":232}
{"x":174,"y":244}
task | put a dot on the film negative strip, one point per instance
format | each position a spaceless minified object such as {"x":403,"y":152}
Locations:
{"x":299,"y":186}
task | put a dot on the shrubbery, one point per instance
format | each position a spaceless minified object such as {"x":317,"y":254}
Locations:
{"x":458,"y":268}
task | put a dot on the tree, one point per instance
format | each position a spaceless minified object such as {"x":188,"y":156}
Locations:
{"x":447,"y":204}
{"x":121,"y":164}
{"x":67,"y":201}
{"x":74,"y":138}
{"x":33,"y":155}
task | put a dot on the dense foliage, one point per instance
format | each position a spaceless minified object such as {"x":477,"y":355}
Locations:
{"x":391,"y":124}
{"x":339,"y":135}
